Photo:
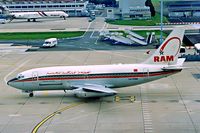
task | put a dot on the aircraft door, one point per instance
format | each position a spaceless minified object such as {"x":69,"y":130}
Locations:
{"x":86,"y":76}
{"x":146,"y":73}
{"x":35,"y":80}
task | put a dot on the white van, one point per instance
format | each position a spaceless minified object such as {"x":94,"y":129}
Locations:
{"x":197,"y":47}
{"x":2,"y":21}
{"x":51,"y":42}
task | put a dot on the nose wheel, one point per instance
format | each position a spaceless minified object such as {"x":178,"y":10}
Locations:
{"x":31,"y":94}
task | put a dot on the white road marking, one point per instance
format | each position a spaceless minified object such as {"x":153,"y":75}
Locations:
{"x":14,"y":115}
{"x":150,"y":120}
{"x":87,"y":28}
{"x":148,"y":126}
{"x":101,"y":31}
{"x":92,"y":34}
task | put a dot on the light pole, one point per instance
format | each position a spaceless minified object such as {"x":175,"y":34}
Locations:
{"x":161,"y":21}
{"x":75,"y":9}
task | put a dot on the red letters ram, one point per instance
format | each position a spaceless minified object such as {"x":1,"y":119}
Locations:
{"x":166,"y":58}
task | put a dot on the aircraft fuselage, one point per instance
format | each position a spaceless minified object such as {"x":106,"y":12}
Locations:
{"x":64,"y":78}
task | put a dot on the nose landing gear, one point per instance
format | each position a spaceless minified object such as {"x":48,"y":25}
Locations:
{"x":31,"y":94}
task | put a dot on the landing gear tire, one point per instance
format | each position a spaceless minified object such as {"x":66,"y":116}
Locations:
{"x":28,"y":20}
{"x":31,"y":94}
{"x":34,"y":20}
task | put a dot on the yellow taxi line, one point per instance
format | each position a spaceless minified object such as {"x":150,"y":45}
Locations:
{"x":35,"y":129}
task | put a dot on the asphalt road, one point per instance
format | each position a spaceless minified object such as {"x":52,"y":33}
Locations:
{"x":90,"y":41}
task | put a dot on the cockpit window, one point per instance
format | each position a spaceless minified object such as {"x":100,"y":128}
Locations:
{"x":20,"y":76}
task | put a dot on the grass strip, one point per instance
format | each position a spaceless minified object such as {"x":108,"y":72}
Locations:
{"x":39,"y":35}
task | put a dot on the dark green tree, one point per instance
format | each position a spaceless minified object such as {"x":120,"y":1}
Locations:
{"x":152,"y":9}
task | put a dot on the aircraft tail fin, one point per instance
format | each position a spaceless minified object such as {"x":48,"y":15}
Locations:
{"x":168,"y":51}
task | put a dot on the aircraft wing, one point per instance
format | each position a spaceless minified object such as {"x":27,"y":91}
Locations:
{"x":96,"y":88}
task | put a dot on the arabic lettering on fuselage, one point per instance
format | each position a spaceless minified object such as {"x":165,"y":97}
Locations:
{"x":68,"y":72}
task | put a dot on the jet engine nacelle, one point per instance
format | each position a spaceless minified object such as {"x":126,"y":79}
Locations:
{"x":81,"y":93}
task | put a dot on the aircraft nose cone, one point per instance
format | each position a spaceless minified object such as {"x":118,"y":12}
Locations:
{"x":11,"y":81}
{"x":8,"y":83}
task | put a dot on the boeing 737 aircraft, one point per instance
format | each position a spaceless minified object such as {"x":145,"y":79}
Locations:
{"x":100,"y":80}
{"x":39,"y":14}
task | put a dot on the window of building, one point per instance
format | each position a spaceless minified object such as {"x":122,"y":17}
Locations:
{"x":30,"y":6}
{"x":55,"y":6}
{"x":18,"y":7}
{"x":11,"y":7}
{"x":110,"y":10}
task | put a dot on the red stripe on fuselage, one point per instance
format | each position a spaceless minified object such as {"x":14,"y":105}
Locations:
{"x":98,"y":77}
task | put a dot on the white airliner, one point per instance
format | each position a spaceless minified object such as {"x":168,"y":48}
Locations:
{"x":100,"y":80}
{"x":39,"y":14}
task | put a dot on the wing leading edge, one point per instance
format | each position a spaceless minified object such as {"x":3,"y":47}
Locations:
{"x":96,"y":88}
{"x":92,"y":90}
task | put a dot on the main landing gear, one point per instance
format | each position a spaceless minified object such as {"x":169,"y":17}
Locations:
{"x":29,"y":20}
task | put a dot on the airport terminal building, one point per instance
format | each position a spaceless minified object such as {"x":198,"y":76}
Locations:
{"x":183,"y":10}
{"x":129,"y":9}
{"x":73,"y":8}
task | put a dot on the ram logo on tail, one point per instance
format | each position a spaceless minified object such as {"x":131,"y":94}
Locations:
{"x":167,"y":53}
{"x":166,"y":58}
